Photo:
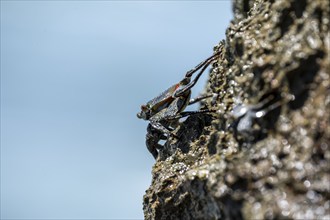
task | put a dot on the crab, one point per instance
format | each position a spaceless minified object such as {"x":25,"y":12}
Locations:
{"x":164,"y":111}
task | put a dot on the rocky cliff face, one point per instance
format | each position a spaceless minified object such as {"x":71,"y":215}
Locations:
{"x":265,"y":153}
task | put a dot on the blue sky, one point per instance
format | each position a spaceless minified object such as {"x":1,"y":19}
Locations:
{"x":73,"y":76}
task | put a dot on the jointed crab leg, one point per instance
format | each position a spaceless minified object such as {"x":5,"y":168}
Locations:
{"x":187,"y":87}
{"x":199,"y":98}
{"x":188,"y":113}
{"x":207,"y":61}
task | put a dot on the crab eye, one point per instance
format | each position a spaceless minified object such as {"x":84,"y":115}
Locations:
{"x":143,"y":107}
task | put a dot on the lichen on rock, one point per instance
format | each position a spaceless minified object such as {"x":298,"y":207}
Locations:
{"x":273,"y":160}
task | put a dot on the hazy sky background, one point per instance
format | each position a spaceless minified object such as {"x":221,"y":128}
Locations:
{"x":73,"y":76}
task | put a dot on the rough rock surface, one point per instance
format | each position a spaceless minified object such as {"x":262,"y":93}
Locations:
{"x":265,"y":153}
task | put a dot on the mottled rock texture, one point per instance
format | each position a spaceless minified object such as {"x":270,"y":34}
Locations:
{"x":271,"y":161}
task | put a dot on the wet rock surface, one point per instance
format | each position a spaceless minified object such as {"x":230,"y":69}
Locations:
{"x":265,"y":153}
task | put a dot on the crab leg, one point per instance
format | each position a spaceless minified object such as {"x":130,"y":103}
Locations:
{"x":187,"y":87}
{"x":192,"y":71}
{"x":199,"y":98}
{"x":188,"y":113}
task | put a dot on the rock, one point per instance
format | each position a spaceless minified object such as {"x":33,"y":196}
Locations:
{"x":265,"y":153}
